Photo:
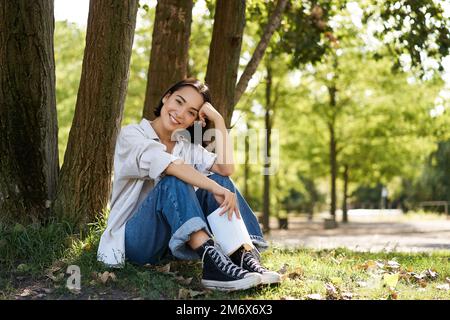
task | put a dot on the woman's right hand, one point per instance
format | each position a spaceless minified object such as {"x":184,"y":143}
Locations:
{"x":227,"y":200}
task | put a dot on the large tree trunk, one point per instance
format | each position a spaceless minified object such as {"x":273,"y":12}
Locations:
{"x":225,"y":49}
{"x":170,"y":46}
{"x":85,"y":180}
{"x":28,"y":123}
{"x":266,"y":197}
{"x":272,"y":24}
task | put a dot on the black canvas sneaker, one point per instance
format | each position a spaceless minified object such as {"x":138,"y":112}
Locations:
{"x":220,"y":273}
{"x":249,"y":261}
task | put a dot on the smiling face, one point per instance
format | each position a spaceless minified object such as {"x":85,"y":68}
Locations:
{"x":180,"y":108}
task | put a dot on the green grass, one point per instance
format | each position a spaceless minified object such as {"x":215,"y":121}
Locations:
{"x":36,"y":257}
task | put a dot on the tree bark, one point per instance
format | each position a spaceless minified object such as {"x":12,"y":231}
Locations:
{"x":273,"y":24}
{"x":169,"y":54}
{"x":344,"y":200}
{"x":28,"y":123}
{"x":266,"y":197}
{"x":225,"y":49}
{"x":333,"y":152}
{"x":85,"y":179}
{"x":247,"y":164}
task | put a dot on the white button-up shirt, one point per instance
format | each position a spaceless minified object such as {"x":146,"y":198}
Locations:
{"x":139,"y":161}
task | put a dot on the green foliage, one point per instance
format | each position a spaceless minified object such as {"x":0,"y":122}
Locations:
{"x":434,"y":183}
{"x":419,"y":29}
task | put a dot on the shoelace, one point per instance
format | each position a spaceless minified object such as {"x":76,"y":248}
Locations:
{"x":250,"y":260}
{"x":223,"y":262}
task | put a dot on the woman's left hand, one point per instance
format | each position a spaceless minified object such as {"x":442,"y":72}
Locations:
{"x":207,"y":111}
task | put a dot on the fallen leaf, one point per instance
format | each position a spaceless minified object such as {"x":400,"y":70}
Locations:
{"x":56,"y":266}
{"x":164,"y":268}
{"x":184,"y":281}
{"x":423,"y":283}
{"x":336,"y":281}
{"x":26,"y":293}
{"x":183,"y":294}
{"x":332,"y":293}
{"x":347,"y":295}
{"x":297,"y":273}
{"x":444,"y":286}
{"x":105,"y":276}
{"x":391,"y":280}
{"x":314,"y":296}
{"x":23,"y":267}
{"x":392,"y":264}
{"x":431,"y":274}
{"x":283,"y":269}
{"x":361,"y":284}
{"x":335,"y":261}
{"x":367,"y":265}
{"x":393,"y":294}
{"x":193,"y":293}
{"x":56,"y":278}
{"x":288,"y":298}
{"x":417,"y":277}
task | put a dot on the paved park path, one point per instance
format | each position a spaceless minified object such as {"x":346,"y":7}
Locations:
{"x":367,"y":230}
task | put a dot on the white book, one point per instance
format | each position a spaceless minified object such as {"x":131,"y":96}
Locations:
{"x":230,"y":235}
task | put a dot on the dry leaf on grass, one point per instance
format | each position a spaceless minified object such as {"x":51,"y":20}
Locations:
{"x":391,"y":280}
{"x":57,"y":278}
{"x":393,"y":265}
{"x":26,"y":293}
{"x":361,"y":284}
{"x":105,"y":276}
{"x":347,"y":296}
{"x":164,"y":269}
{"x":187,"y":293}
{"x":283,"y":269}
{"x":288,"y":298}
{"x":184,"y":281}
{"x":332,"y":292}
{"x":393,"y":294}
{"x":314,"y":296}
{"x":444,"y":286}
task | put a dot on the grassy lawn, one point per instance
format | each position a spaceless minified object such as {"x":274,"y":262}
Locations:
{"x":34,"y":260}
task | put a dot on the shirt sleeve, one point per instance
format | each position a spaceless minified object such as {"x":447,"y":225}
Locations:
{"x":140,"y":157}
{"x":203,"y":159}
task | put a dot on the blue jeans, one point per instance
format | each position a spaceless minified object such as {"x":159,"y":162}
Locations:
{"x":171,"y":212}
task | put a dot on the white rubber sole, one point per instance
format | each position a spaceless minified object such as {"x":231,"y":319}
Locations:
{"x":249,"y":281}
{"x":270,"y":277}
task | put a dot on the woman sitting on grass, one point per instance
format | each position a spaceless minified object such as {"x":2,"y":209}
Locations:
{"x":164,"y":187}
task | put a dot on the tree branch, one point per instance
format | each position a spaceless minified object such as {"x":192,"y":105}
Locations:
{"x":273,"y":23}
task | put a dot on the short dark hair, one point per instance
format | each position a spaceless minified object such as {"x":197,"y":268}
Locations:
{"x":201,"y":88}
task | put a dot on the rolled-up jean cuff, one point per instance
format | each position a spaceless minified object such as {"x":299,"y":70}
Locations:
{"x":259,"y":242}
{"x":177,"y":243}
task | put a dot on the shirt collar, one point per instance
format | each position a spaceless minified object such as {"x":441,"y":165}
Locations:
{"x":148,"y":129}
{"x":151,"y":133}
